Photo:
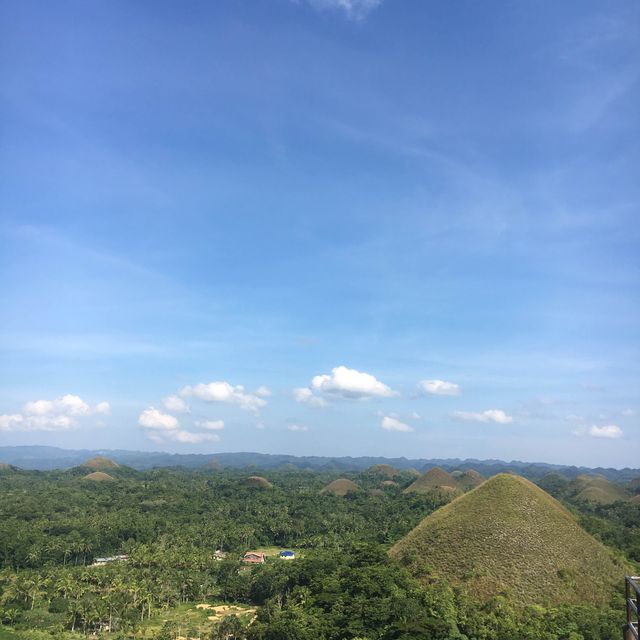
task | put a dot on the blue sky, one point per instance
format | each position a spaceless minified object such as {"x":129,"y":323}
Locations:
{"x":330,"y":227}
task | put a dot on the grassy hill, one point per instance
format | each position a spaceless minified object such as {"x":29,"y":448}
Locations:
{"x":435,"y":478}
{"x":382,"y":471}
{"x":596,"y":489}
{"x":100,"y":463}
{"x":468,"y":479}
{"x":257,"y":482}
{"x":99,"y":476}
{"x":341,"y":487}
{"x":510,"y":537}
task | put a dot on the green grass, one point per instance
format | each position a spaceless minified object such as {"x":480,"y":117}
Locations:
{"x":7,"y":634}
{"x":189,"y":616}
{"x":509,"y":537}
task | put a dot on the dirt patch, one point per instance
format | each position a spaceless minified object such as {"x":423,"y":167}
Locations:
{"x":223,"y":610}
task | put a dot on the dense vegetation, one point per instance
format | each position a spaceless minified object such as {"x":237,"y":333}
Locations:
{"x":342,"y":584}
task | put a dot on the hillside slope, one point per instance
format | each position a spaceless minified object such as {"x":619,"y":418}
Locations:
{"x":433,"y":479}
{"x":509,"y":537}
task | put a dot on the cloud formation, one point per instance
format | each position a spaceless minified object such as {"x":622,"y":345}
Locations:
{"x":151,"y":418}
{"x":390,"y":423}
{"x":610,"y":431}
{"x":162,"y":427}
{"x":210,"y":425}
{"x":490,"y":415}
{"x":350,"y":383}
{"x":298,"y":427}
{"x":439,"y":387}
{"x":354,"y":9}
{"x":175,"y":403}
{"x":304,"y":395}
{"x":227,"y":393}
{"x":60,"y":414}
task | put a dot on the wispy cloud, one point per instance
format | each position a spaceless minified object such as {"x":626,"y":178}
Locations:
{"x":389,"y":423}
{"x":304,"y":395}
{"x":490,"y":415}
{"x":439,"y":387}
{"x":610,"y":431}
{"x":353,"y":9}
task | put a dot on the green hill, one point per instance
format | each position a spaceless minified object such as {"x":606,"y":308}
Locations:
{"x":596,"y":489}
{"x":341,"y":487}
{"x":435,"y":478}
{"x":510,"y":537}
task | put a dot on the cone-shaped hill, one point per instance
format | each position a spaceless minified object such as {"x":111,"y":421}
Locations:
{"x":597,"y":489}
{"x":435,"y":478}
{"x":510,"y":537}
{"x":99,"y":476}
{"x":341,"y":487}
{"x":257,"y":482}
{"x":469,"y":479}
{"x":382,"y":471}
{"x":99,"y":463}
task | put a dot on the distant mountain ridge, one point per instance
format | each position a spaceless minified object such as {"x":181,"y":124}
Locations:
{"x":47,"y":458}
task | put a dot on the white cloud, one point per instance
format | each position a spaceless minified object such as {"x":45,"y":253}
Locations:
{"x":175,"y":403}
{"x":628,"y":413}
{"x":304,"y":395}
{"x":11,"y":422}
{"x":415,"y":415}
{"x":263,"y":392}
{"x":211,"y":425}
{"x":607,"y":431}
{"x":393,"y":424}
{"x":104,"y":408}
{"x":354,"y":9}
{"x":298,"y":427}
{"x":151,"y":418}
{"x":188,"y":437}
{"x":225,"y":392}
{"x":490,"y":415}
{"x":60,"y":414}
{"x":350,"y":383}
{"x":439,"y":387}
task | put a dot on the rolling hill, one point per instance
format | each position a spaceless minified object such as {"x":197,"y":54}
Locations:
{"x":100,"y":463}
{"x":341,"y":487}
{"x":257,"y":482}
{"x":434,"y":479}
{"x":596,"y":489}
{"x":510,"y":537}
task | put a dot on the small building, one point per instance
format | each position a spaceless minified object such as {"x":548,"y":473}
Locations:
{"x":219,"y":554}
{"x":253,"y":557}
{"x":287,"y":555}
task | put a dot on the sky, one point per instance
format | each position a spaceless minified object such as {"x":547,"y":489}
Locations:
{"x":322,"y":227}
